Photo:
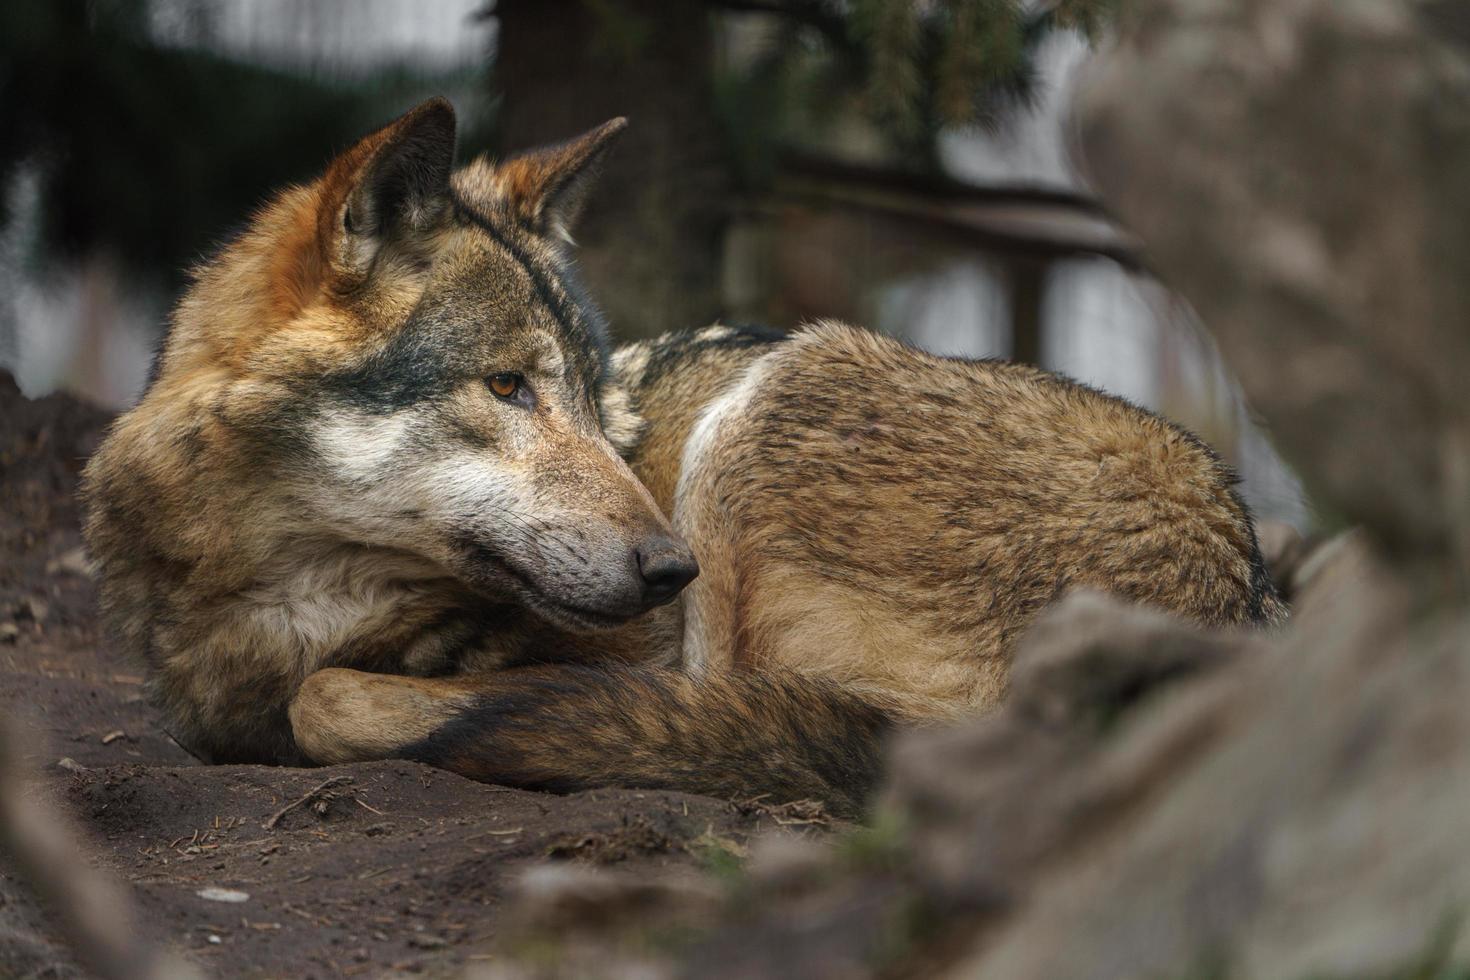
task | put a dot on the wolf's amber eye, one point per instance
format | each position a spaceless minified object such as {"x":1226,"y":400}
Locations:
{"x":504,"y":385}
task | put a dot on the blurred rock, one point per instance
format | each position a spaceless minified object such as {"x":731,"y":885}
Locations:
{"x":1296,"y":561}
{"x":574,"y":920}
{"x":787,"y":863}
{"x":557,"y":897}
{"x":1090,"y":657}
{"x":1296,"y":814}
{"x":59,"y":916}
{"x":1297,"y":168}
{"x":995,"y":797}
{"x":1282,"y":547}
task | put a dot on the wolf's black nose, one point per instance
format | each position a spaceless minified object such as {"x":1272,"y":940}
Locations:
{"x":667,"y":565}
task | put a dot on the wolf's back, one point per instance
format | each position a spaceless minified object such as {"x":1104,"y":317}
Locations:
{"x":892,"y":520}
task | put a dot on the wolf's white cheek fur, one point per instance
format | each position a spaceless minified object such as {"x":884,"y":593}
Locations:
{"x":469,"y":487}
{"x":358,"y":447}
{"x":373,"y":486}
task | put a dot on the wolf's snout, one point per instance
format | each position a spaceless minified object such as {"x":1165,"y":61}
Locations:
{"x":666,"y":565}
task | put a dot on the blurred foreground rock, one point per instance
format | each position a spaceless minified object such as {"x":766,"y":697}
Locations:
{"x":1299,"y":813}
{"x":1297,"y":168}
{"x":58,"y":914}
{"x":1152,"y":801}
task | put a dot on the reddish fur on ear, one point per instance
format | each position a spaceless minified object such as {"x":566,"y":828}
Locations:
{"x":297,"y":247}
{"x":393,"y":180}
{"x":547,"y":188}
{"x":308,"y":240}
{"x":342,"y":175}
{"x":296,"y":267}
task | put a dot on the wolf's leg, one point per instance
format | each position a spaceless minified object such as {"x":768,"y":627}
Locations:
{"x":342,"y":715}
{"x":567,"y":728}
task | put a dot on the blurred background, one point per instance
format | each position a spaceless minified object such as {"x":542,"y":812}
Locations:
{"x":903,"y":165}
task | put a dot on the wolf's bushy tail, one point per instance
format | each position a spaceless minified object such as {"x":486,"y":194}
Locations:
{"x":735,"y":735}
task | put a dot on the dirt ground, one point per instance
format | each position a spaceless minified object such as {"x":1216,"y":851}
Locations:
{"x":393,"y":867}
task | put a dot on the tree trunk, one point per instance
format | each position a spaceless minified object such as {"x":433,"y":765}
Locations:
{"x":1028,"y":307}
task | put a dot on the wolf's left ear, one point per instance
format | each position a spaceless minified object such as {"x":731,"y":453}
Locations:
{"x":547,"y":188}
{"x":393,"y":183}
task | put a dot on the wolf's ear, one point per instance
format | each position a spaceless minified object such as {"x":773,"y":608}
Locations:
{"x":392,"y":184}
{"x":546,"y":188}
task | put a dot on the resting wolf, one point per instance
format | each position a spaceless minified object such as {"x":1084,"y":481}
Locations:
{"x":390,"y":494}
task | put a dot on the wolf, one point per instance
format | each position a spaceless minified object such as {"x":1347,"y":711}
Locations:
{"x":392,"y":494}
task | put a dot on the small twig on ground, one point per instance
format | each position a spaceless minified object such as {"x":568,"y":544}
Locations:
{"x":184,"y":748}
{"x":359,"y":801}
{"x":311,"y":794}
{"x":796,"y":813}
{"x":496,"y":833}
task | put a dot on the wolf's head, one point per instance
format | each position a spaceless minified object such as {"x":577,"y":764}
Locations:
{"x":403,"y":349}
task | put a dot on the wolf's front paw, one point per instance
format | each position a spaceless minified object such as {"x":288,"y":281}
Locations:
{"x":342,"y":715}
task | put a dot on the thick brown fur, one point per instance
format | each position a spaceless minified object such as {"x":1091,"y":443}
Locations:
{"x":875,"y":525}
{"x":879,"y":516}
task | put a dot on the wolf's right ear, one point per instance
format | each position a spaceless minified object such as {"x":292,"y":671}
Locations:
{"x":547,"y":188}
{"x":393,"y":184}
